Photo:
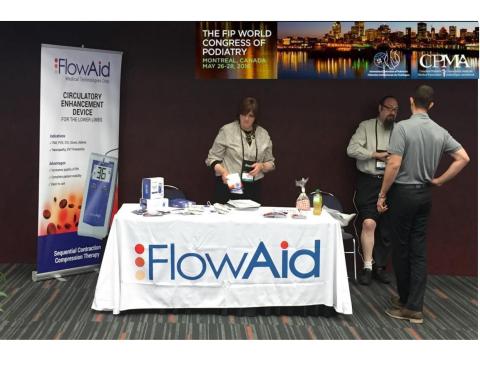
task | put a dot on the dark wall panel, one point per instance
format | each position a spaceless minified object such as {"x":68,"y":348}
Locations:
{"x":168,"y":121}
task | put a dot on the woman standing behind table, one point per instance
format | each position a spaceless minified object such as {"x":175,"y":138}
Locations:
{"x":242,"y":147}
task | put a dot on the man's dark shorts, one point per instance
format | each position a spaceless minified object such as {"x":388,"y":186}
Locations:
{"x":366,"y":196}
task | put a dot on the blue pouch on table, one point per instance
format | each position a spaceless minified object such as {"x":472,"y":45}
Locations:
{"x":180,"y":203}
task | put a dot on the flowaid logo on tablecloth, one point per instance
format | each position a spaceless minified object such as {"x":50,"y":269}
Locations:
{"x":241,"y":268}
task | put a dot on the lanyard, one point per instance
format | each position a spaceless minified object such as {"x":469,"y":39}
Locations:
{"x":376,"y":135}
{"x":243,"y":150}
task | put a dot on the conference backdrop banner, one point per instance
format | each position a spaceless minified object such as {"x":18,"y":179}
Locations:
{"x":337,"y":50}
{"x":79,"y":125}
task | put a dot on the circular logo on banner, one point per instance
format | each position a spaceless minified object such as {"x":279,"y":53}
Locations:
{"x":389,"y":60}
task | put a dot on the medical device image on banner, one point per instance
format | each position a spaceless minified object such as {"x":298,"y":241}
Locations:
{"x":78,"y":157}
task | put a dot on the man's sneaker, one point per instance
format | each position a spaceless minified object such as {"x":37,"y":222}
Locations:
{"x":404,"y":313}
{"x":396,"y":303}
{"x":365,"y":277}
{"x":381,"y":275}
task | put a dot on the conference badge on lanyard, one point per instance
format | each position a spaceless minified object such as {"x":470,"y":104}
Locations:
{"x":246,"y":168}
{"x":380,"y":165}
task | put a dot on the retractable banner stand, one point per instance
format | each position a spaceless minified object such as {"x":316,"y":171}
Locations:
{"x":79,"y":124}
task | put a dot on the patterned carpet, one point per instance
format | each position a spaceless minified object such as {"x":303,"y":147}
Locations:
{"x":56,"y":309}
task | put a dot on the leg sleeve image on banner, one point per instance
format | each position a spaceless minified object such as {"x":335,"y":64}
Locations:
{"x":79,"y":126}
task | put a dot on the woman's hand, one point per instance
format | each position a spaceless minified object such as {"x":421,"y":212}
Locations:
{"x":224,"y":176}
{"x":257,"y":167}
{"x":220,"y":170}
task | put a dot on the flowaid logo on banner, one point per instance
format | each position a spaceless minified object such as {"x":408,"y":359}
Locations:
{"x":154,"y":260}
{"x":66,"y":67}
{"x":78,"y":156}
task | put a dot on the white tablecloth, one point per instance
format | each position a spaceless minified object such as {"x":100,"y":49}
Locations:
{"x":175,"y":261}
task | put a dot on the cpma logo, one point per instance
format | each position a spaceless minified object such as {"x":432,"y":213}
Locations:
{"x":242,"y":269}
{"x":443,"y":61}
{"x":66,"y":67}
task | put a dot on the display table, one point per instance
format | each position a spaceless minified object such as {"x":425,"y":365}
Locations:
{"x":240,"y":259}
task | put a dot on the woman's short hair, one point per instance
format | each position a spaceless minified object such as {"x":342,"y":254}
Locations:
{"x":248,"y":105}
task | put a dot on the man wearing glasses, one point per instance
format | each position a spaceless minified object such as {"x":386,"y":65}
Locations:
{"x":369,"y":147}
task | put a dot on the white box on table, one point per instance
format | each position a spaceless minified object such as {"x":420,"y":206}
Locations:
{"x":152,"y":188}
{"x":153,"y":204}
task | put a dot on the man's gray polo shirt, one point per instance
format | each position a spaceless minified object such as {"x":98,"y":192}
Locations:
{"x":421,"y":142}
